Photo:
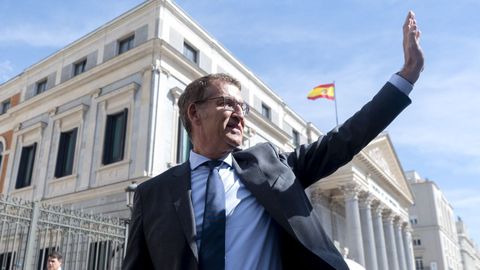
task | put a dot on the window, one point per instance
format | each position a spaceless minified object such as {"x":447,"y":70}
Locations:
{"x":125,"y":44}
{"x":5,"y":106}
{"x":7,"y":259}
{"x":114,"y":142}
{"x":296,"y":138}
{"x":66,"y":153}
{"x":413,"y":220}
{"x":417,"y":242}
{"x":266,"y":111}
{"x":184,"y":144}
{"x":99,"y":255}
{"x":419,"y":263}
{"x":25,"y":169}
{"x":41,"y":86}
{"x":190,"y":52}
{"x":79,"y":67}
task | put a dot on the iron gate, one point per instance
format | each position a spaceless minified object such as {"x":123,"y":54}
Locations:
{"x":29,"y":231}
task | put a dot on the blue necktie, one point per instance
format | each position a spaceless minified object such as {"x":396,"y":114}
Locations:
{"x":212,"y":246}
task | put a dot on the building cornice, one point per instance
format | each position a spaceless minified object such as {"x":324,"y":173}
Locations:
{"x":91,"y":75}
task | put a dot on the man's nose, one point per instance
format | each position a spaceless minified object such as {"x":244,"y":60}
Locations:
{"x":238,"y":110}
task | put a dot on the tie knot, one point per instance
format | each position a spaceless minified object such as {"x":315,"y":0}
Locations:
{"x":214,"y":163}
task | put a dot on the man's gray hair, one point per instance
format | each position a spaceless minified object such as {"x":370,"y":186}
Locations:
{"x":195,"y":91}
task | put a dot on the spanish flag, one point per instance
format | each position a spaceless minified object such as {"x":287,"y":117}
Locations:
{"x":323,"y":91}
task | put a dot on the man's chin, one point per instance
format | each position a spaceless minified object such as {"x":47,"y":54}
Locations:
{"x":234,"y":141}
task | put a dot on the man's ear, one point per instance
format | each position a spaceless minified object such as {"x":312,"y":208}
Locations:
{"x":193,"y":114}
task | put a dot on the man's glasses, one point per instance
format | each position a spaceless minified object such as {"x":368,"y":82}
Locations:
{"x":228,"y":104}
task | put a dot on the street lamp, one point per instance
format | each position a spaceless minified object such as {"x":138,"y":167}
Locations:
{"x":130,"y":192}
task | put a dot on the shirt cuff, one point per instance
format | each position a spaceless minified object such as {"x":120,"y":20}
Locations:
{"x":403,"y":85}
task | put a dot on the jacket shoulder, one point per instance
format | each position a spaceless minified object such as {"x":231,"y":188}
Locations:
{"x":165,"y":177}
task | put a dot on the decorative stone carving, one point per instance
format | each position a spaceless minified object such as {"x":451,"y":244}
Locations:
{"x":377,"y":156}
{"x":366,"y":200}
{"x":351,"y":191}
{"x":156,"y":67}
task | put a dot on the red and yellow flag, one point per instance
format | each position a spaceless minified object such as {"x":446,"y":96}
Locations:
{"x":323,"y":91}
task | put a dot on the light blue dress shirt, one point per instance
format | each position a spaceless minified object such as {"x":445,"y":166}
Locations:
{"x":251,"y":240}
{"x":403,"y":85}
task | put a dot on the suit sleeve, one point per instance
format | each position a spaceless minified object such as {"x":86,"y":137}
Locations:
{"x":137,"y":255}
{"x":312,"y":162}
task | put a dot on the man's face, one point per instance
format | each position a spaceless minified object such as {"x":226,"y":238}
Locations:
{"x":53,"y":263}
{"x":217,"y":130}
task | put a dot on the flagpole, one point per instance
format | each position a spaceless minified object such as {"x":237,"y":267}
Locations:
{"x":335,"y":99}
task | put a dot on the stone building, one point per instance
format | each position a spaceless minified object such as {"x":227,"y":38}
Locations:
{"x":435,"y":241}
{"x":469,"y":252}
{"x":79,"y":126}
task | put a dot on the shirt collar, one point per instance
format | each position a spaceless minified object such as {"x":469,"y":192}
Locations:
{"x":197,"y":160}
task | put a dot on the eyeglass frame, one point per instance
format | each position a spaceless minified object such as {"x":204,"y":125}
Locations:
{"x":245,"y":108}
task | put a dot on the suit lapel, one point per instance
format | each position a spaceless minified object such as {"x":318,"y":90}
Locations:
{"x":181,"y":193}
{"x":260,"y":186}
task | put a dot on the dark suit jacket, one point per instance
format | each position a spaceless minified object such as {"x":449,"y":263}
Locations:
{"x":162,"y":233}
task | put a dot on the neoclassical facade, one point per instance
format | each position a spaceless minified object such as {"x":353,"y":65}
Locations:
{"x":364,"y":207}
{"x":79,"y":126}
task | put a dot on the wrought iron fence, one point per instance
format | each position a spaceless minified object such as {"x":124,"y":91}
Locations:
{"x":29,"y":231}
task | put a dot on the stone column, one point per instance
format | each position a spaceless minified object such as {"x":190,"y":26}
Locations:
{"x":381,"y":248}
{"x":367,"y":232}
{"x":153,"y":116}
{"x":354,"y":230}
{"x":390,"y":242}
{"x":322,"y":203}
{"x":399,"y":241}
{"x":407,"y":243}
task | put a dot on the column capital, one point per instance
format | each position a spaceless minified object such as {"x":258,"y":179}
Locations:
{"x":156,"y":66}
{"x":398,"y":221}
{"x":366,"y":199}
{"x":407,"y":228}
{"x":335,"y":206}
{"x":378,"y":207}
{"x":319,"y":196}
{"x":388,"y":216}
{"x":351,"y":191}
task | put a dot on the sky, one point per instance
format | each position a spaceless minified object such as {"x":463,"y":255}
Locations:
{"x":293,"y":46}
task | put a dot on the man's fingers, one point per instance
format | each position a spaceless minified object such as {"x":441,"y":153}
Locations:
{"x":407,"y":19}
{"x":413,"y":54}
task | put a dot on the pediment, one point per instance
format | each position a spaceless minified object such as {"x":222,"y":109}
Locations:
{"x":380,"y":151}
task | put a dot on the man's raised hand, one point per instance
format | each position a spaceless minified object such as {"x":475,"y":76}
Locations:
{"x":413,"y":53}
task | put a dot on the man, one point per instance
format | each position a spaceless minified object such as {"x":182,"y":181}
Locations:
{"x":54,"y":261}
{"x":260,"y":218}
